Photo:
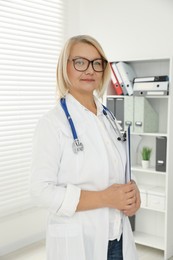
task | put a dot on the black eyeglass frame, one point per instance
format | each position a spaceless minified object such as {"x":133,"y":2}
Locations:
{"x":105,"y":62}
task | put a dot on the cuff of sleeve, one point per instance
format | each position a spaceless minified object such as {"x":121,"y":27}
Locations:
{"x":70,"y":202}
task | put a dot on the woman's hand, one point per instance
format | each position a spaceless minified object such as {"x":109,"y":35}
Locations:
{"x":124,"y":197}
{"x":136,"y":205}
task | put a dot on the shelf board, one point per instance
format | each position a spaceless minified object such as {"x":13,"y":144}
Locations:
{"x":149,"y":240}
{"x":139,"y":168}
{"x":122,"y":96}
{"x":157,"y":96}
{"x":153,"y":209}
{"x":150,"y":134}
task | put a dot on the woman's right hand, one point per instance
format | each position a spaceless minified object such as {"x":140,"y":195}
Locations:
{"x":120,"y":196}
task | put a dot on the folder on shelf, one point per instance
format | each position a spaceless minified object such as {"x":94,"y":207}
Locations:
{"x":119,"y":111}
{"x":116,"y":83}
{"x":116,"y":106}
{"x":151,"y":78}
{"x":128,"y":112}
{"x":110,"y":104}
{"x":127,"y":74}
{"x":119,"y":78}
{"x":145,"y":117}
{"x":159,"y":88}
{"x":161,"y":144}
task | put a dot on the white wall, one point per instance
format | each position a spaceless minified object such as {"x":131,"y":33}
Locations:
{"x":126,"y":29}
{"x":21,"y":229}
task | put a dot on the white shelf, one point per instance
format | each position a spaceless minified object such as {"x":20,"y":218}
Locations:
{"x":147,"y":208}
{"x":149,"y":240}
{"x":167,"y":96}
{"x":138,"y":168}
{"x":122,"y":96}
{"x":150,"y":134}
{"x":154,"y":220}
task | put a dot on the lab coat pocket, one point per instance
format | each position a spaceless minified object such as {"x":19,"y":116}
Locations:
{"x":65,"y":242}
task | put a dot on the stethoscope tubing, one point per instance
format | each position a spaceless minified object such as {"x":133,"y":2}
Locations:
{"x":113,"y":123}
{"x":64,"y":106}
{"x":77,"y":145}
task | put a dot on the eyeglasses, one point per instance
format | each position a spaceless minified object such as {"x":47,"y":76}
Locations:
{"x":82,"y":64}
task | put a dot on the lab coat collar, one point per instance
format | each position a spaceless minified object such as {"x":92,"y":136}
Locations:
{"x":82,"y":108}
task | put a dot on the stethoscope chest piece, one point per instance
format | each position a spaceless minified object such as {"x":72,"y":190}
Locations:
{"x":77,"y":146}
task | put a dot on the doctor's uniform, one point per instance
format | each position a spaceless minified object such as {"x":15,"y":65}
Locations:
{"x":58,"y":176}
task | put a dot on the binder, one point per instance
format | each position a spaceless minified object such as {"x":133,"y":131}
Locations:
{"x":159,"y":88}
{"x":152,"y":79}
{"x":119,"y":78}
{"x":128,"y":112}
{"x":111,"y":104}
{"x":145,"y":117}
{"x":116,"y":106}
{"x":128,"y":174}
{"x":132,"y":220}
{"x":161,"y":144}
{"x":128,"y":170}
{"x":119,"y":111}
{"x":127,"y":74}
{"x":116,"y":83}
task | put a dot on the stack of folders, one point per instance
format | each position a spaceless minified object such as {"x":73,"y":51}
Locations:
{"x":151,"y":86}
{"x":122,"y":78}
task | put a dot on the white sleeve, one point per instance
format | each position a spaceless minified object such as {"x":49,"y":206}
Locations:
{"x":70,"y":201}
{"x":45,"y":190}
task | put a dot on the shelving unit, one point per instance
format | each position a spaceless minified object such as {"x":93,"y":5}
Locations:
{"x":154,"y":220}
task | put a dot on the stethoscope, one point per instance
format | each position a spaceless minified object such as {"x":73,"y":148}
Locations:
{"x":77,"y":145}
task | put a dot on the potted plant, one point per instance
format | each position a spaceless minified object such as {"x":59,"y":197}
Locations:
{"x":146,"y":154}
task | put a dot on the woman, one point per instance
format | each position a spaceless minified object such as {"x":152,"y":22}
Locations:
{"x":82,"y":183}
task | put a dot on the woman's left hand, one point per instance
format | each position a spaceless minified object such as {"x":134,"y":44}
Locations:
{"x":137,"y":203}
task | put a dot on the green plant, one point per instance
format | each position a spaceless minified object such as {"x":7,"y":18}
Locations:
{"x":146,"y":153}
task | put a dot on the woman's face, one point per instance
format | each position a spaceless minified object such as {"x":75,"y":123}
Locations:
{"x":87,"y":81}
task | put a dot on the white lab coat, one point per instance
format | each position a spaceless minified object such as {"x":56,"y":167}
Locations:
{"x":58,"y":175}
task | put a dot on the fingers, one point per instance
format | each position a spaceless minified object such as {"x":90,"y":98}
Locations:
{"x":124,"y":197}
{"x":128,"y":197}
{"x":131,"y":209}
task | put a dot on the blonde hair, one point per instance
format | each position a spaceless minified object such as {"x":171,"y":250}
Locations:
{"x":62,"y":77}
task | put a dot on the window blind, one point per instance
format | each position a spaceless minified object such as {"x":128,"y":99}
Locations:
{"x":31,"y":36}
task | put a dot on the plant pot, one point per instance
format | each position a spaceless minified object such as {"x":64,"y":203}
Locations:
{"x":145,"y":164}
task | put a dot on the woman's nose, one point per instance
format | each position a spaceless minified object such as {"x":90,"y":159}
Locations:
{"x":90,"y":69}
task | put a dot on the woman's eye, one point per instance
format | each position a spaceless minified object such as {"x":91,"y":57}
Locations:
{"x":79,"y":62}
{"x":97,"y":63}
